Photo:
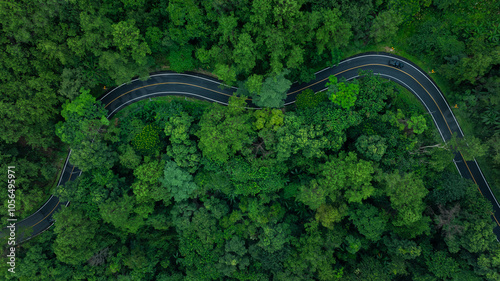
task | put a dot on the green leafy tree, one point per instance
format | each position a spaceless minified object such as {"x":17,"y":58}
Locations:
{"x":309,"y":99}
{"x":353,"y":244}
{"x":312,"y":194}
{"x":417,"y":124}
{"x":450,"y":188}
{"x":186,"y":21}
{"x":328,"y":214}
{"x":245,"y":53}
{"x":347,"y":174}
{"x":442,"y":265}
{"x":128,"y":158}
{"x":148,"y":140}
{"x":76,"y":240}
{"x":314,"y":254}
{"x":91,"y":155}
{"x":254,"y":177}
{"x":372,"y":94}
{"x":224,"y":131}
{"x":147,"y":187}
{"x":123,"y":213}
{"x":406,"y":249}
{"x":182,"y":60}
{"x":333,"y":33}
{"x":274,"y":238}
{"x":370,"y":221}
{"x":440,"y":159}
{"x":254,"y":84}
{"x":182,"y":149}
{"x":127,"y":38}
{"x":225,"y":73}
{"x":270,"y":119}
{"x":297,"y":136}
{"x":469,"y":148}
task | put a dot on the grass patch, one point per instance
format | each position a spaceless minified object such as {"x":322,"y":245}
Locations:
{"x":469,"y":128}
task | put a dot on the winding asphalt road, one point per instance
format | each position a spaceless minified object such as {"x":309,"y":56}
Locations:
{"x":206,"y":88}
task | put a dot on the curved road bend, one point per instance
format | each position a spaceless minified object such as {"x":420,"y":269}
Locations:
{"x":206,"y":88}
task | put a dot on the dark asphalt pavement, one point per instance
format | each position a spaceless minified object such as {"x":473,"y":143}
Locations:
{"x":206,"y":88}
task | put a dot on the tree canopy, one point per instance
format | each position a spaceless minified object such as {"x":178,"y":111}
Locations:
{"x":351,"y":183}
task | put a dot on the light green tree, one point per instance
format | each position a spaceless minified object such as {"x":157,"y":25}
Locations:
{"x":83,"y":118}
{"x":273,"y":91}
{"x":417,"y":124}
{"x":347,"y":174}
{"x":182,"y":149}
{"x":178,"y":182}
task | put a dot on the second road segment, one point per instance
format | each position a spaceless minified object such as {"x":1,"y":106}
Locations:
{"x":206,"y":88}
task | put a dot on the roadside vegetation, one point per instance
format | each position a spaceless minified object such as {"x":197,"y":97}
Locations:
{"x":345,"y":185}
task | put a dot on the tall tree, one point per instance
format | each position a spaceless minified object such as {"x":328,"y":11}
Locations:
{"x":83,"y":118}
{"x":77,"y":238}
{"x":406,"y":192}
{"x":178,"y":182}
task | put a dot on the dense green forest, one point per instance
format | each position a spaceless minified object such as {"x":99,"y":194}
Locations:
{"x":334,"y":187}
{"x":259,"y":204}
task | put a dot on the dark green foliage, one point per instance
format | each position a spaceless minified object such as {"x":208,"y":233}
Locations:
{"x":76,"y":241}
{"x":308,"y":98}
{"x":372,"y":147}
{"x":342,"y":93}
{"x":182,"y":60}
{"x":372,"y":94}
{"x":272,"y":194}
{"x":370,"y":221}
